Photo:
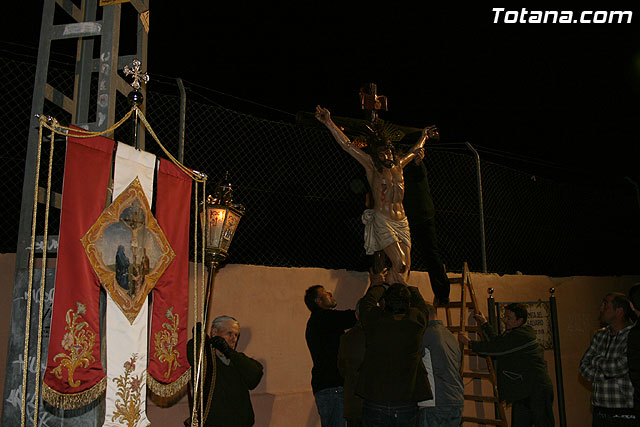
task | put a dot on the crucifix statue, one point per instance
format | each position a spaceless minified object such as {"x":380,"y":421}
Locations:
{"x":386,"y":225}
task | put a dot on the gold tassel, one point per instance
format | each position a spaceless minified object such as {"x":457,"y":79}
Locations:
{"x":68,"y":401}
{"x":171,"y":389}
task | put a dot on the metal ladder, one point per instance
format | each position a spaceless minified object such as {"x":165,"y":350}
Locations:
{"x":468,"y":301}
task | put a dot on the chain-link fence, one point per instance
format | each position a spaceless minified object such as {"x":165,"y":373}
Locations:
{"x":304,"y":195}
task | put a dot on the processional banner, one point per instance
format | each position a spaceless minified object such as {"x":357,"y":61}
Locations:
{"x":74,"y":376}
{"x":168,"y":366}
{"x":126,"y":250}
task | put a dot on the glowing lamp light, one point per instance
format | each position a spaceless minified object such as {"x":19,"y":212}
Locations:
{"x":220,"y":219}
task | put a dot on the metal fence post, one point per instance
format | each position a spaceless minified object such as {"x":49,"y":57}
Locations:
{"x":557,"y":357}
{"x":183,"y":113}
{"x":480,"y":208}
{"x":491,"y":309}
{"x":493,"y":321}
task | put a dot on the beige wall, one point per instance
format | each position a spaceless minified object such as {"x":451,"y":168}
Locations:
{"x":268,"y":302}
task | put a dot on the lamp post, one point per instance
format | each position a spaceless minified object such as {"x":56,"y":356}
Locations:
{"x":219,"y":218}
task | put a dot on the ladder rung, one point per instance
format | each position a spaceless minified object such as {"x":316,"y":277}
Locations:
{"x":467,"y":293}
{"x":466,"y":328}
{"x":484,"y":421}
{"x":470,"y":352}
{"x":458,"y":304}
{"x":479,"y":398}
{"x":471,"y":374}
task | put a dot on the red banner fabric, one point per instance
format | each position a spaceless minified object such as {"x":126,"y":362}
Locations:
{"x":168,"y":367}
{"x":74,"y":376}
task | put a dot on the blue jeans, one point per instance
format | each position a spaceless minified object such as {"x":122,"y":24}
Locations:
{"x":330,"y":404}
{"x":440,"y":416}
{"x":389,"y":415}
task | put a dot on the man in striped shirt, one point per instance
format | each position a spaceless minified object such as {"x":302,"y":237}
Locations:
{"x":605,"y":365}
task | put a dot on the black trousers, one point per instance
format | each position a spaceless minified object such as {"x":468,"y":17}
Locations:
{"x":425,"y":242}
{"x":536,"y":410}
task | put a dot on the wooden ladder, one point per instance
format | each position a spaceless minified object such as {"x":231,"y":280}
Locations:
{"x":489,"y":375}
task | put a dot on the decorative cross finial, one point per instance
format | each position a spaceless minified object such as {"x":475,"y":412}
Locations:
{"x":139,"y":76}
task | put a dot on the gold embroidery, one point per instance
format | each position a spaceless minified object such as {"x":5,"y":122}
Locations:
{"x":165,"y":342}
{"x":129,"y":395}
{"x":128,"y":250}
{"x":79,"y":342}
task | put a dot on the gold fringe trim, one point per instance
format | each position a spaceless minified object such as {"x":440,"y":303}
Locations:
{"x":68,"y":401}
{"x":171,"y":389}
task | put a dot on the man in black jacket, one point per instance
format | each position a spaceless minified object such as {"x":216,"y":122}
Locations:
{"x":392,"y":377}
{"x":228,"y":377}
{"x":324,"y":329}
{"x":521,"y":370}
{"x":418,"y":206}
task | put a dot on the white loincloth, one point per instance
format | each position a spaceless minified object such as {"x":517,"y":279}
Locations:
{"x":380,"y":231}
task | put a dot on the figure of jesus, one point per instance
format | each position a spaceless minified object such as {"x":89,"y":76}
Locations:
{"x":386,"y":225}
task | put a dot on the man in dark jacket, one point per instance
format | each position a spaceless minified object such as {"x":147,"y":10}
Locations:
{"x":421,"y":212}
{"x":228,"y":377}
{"x":324,"y":329}
{"x":393,"y":378}
{"x":523,"y":379}
{"x":350,"y":357}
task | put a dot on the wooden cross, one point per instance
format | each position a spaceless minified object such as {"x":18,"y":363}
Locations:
{"x":371,"y":102}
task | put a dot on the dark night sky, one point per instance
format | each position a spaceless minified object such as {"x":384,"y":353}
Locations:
{"x":565,"y":93}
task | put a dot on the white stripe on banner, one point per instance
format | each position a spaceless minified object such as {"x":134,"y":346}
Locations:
{"x":126,"y":368}
{"x":132,"y":163}
{"x":127,"y":345}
